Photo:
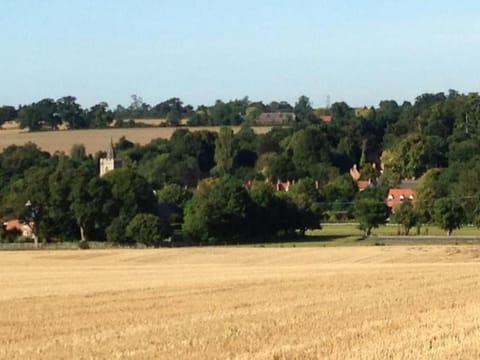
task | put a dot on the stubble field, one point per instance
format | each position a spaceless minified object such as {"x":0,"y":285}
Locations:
{"x":96,"y":139}
{"x":399,"y":302}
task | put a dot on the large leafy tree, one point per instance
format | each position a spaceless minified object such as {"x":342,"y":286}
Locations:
{"x":71,"y":112}
{"x":369,"y":210}
{"x":429,"y":189}
{"x":309,"y":146}
{"x":306,"y":196}
{"x":148,"y":229}
{"x":174,"y":194}
{"x":133,"y":195}
{"x":221,"y":214}
{"x":37,"y":115}
{"x":99,"y":116}
{"x":59,"y":221}
{"x":7,"y":113}
{"x":224,"y":151}
{"x":92,"y":204}
{"x":132,"y":192}
{"x":303,"y":109}
{"x":448,"y":214}
{"x":407,"y":216}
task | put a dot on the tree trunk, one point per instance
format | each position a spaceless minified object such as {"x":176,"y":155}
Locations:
{"x":82,"y":233}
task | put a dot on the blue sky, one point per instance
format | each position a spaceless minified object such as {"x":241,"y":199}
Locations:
{"x":360,"y":51}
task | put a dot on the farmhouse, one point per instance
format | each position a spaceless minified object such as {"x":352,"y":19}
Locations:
{"x":404,"y":191}
{"x":326,"y":118}
{"x":275,"y":118}
{"x":21,"y":227}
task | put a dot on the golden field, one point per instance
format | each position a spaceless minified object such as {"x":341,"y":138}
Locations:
{"x":96,"y":139}
{"x":399,"y":302}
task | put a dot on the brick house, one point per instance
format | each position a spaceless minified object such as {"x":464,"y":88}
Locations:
{"x":275,"y":118}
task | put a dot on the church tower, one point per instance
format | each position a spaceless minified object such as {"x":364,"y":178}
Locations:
{"x":109,"y":163}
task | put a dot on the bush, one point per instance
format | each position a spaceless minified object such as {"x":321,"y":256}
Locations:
{"x":148,"y":229}
{"x":83,"y":244}
{"x":115,"y":232}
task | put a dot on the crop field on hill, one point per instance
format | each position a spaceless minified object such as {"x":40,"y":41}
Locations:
{"x":399,"y":302}
{"x":94,"y":139}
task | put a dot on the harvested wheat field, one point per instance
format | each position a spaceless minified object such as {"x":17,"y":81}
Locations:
{"x":394,"y":302}
{"x":97,"y":139}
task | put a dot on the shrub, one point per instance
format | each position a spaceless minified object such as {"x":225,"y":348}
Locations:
{"x":83,"y":244}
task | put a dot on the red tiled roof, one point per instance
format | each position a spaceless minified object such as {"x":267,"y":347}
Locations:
{"x":14,"y":224}
{"x":397,"y":195}
{"x":326,"y":118}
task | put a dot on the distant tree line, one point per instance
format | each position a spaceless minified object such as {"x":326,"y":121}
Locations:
{"x":206,"y":187}
{"x":50,"y":114}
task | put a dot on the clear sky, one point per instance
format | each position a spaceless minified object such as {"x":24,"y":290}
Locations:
{"x":358,"y":51}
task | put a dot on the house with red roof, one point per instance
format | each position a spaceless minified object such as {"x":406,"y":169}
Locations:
{"x":275,"y":118}
{"x":326,"y":118}
{"x":396,"y":196}
{"x":21,"y":227}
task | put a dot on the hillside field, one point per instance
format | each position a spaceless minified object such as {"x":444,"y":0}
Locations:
{"x":389,"y":302}
{"x":95,"y":139}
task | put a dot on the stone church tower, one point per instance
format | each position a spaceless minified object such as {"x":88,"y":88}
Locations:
{"x":109,"y":163}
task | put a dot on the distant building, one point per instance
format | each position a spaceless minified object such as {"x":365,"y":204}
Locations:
{"x":326,"y":118}
{"x":275,"y":118}
{"x":109,"y":163}
{"x":396,"y":196}
{"x":406,"y":190}
{"x":21,"y":227}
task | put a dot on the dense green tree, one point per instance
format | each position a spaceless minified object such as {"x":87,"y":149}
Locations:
{"x":29,"y":117}
{"x":116,"y":230}
{"x":58,"y":215}
{"x":303,"y":109}
{"x":369,"y":210}
{"x":429,"y":189}
{"x":197,"y":220}
{"x":172,"y":106}
{"x":339,"y":194}
{"x":221,"y":215}
{"x":448,"y":214}
{"x":173,"y":118}
{"x":78,"y":152}
{"x":15,"y":159}
{"x":466,"y":189}
{"x":341,"y":111}
{"x":70,"y":112}
{"x":174,"y":194}
{"x":309,"y":146}
{"x":99,"y":116}
{"x":92,"y":204}
{"x":224,"y":152}
{"x":7,"y":113}
{"x":132,"y":192}
{"x":306,"y":196}
{"x":32,"y":189}
{"x":148,"y":229}
{"x":266,"y":211}
{"x":406,"y":216}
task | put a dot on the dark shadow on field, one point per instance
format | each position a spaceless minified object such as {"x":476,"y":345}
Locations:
{"x":305,"y":239}
{"x":320,"y":238}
